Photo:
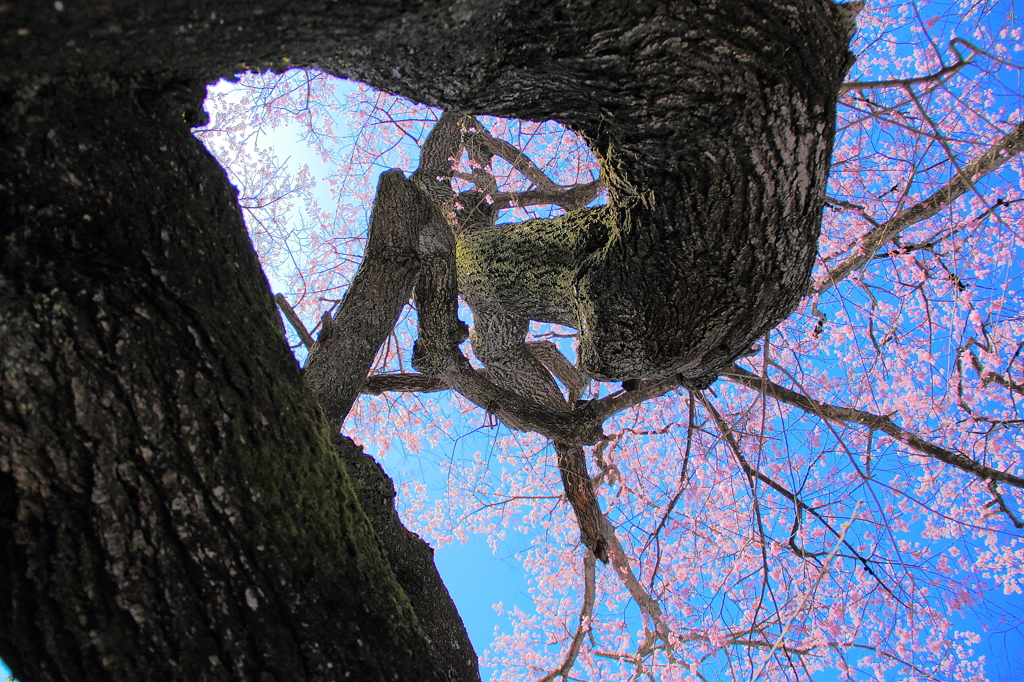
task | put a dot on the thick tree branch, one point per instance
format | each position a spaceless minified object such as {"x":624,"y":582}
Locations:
{"x":481,"y":144}
{"x":338,"y":364}
{"x":499,"y":341}
{"x":556,"y":363}
{"x":336,"y":371}
{"x":403,"y":383}
{"x":593,"y":412}
{"x":569,"y":198}
{"x":1007,"y":147}
{"x":579,"y":489}
{"x":617,"y":402}
{"x":171,"y":507}
{"x":412,"y":561}
{"x":845,"y":415}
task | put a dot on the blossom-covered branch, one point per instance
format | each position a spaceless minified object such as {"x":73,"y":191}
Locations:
{"x":876,"y":422}
{"x":1004,"y":149}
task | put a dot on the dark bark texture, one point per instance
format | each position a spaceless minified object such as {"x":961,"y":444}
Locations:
{"x":171,"y":506}
{"x":412,"y":561}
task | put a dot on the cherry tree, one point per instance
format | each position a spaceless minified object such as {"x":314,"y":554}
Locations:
{"x":836,"y":500}
{"x":754,"y":446}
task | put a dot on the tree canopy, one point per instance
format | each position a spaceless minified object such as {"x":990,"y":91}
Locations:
{"x":776,"y":493}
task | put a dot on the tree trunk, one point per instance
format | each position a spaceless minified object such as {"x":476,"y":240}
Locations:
{"x":170,"y":503}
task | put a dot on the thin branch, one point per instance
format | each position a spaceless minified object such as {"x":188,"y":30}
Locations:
{"x":655,"y":536}
{"x":586,"y":612}
{"x":515,"y":156}
{"x":569,"y":198}
{"x":993,"y":488}
{"x":738,"y":375}
{"x":1007,"y":147}
{"x":289,"y":312}
{"x":989,"y":376}
{"x":937,"y":77}
{"x":807,"y":595}
{"x":648,"y":605}
{"x":579,"y":489}
{"x":753,"y":474}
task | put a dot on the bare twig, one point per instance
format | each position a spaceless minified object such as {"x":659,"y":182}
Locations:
{"x":738,"y":375}
{"x":993,"y":488}
{"x":937,"y":77}
{"x":807,"y":595}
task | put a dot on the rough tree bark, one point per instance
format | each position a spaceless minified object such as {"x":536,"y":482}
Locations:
{"x":171,"y":506}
